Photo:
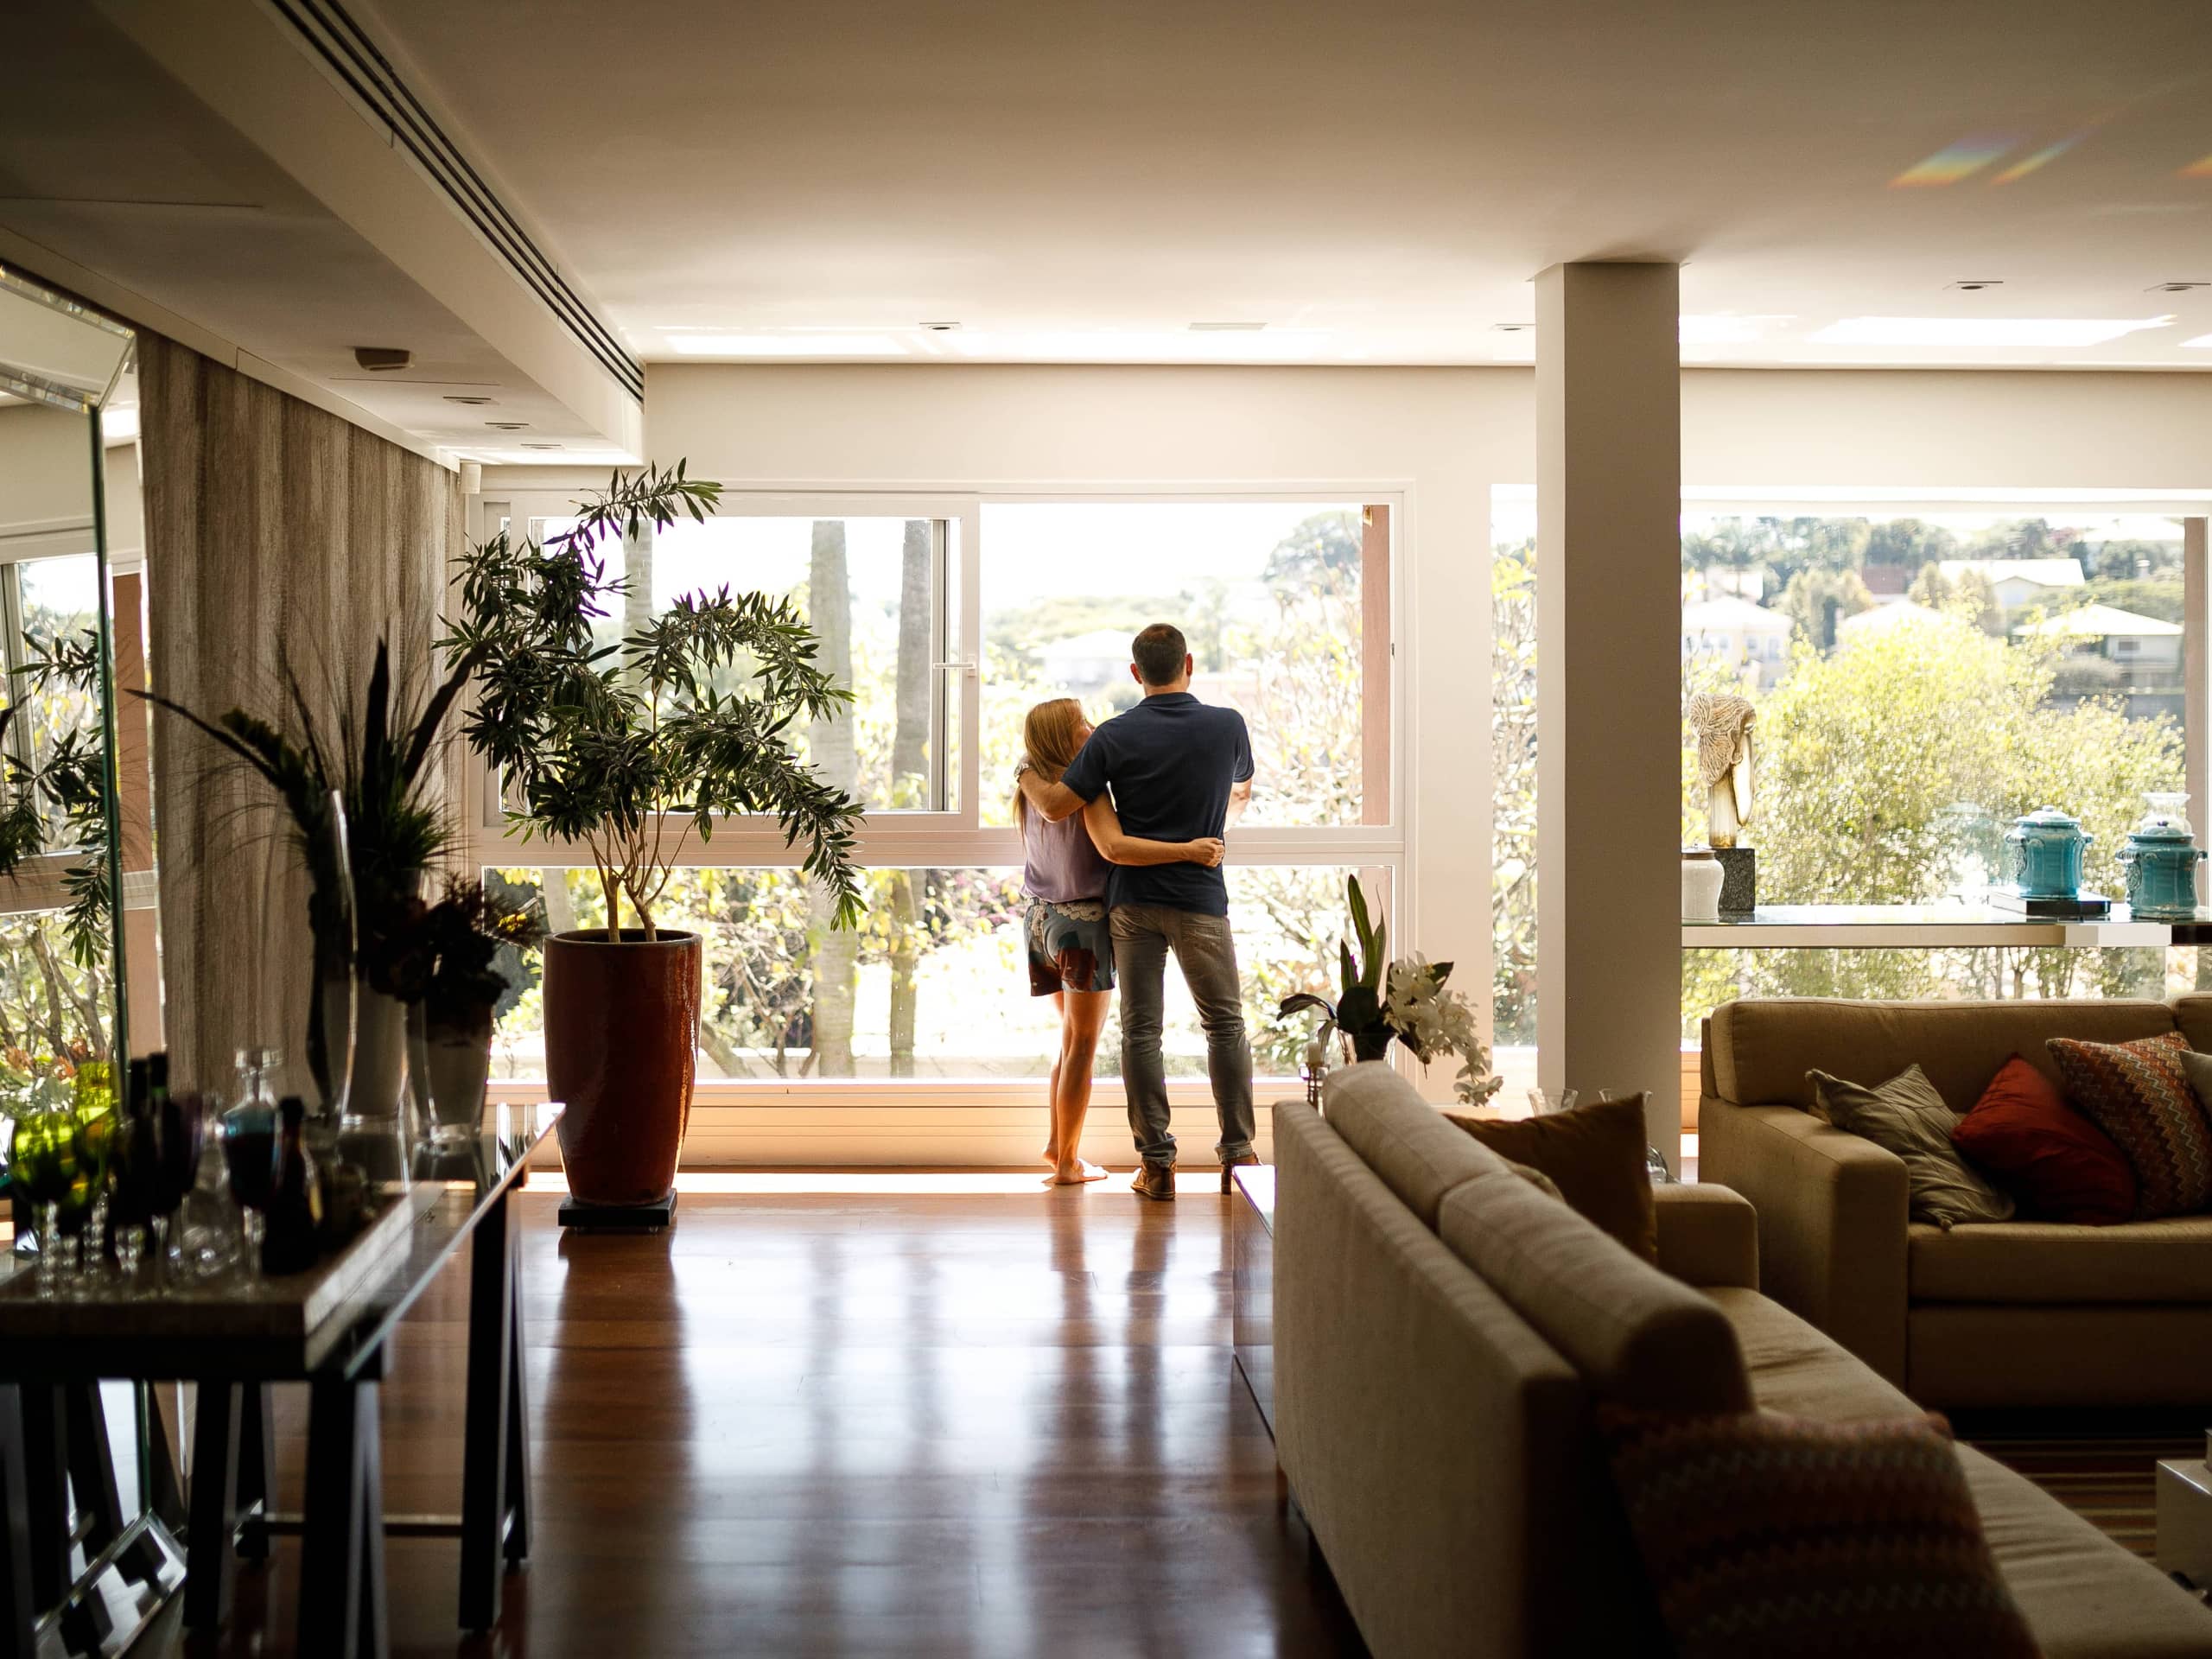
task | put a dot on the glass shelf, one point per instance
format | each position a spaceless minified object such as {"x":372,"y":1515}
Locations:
{"x":1921,"y":927}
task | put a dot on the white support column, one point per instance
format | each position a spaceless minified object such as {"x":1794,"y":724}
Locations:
{"x":1608,"y":685}
{"x":2196,"y":676}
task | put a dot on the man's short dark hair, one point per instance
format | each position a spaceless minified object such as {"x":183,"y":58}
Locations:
{"x":1159,"y":652}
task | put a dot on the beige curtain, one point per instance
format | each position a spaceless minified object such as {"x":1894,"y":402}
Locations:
{"x":274,"y":532}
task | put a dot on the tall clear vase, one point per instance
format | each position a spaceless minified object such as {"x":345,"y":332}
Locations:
{"x":331,"y":1010}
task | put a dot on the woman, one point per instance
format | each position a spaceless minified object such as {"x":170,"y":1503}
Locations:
{"x":1071,"y":951}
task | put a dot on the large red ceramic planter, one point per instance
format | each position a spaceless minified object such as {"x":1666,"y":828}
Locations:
{"x":621,"y":1040}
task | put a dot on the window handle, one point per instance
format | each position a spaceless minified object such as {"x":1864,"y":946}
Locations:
{"x":965,"y":665}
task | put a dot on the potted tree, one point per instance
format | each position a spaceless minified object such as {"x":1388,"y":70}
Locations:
{"x":627,"y":751}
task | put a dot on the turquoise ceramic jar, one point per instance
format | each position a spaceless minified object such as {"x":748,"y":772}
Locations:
{"x":2042,"y":854}
{"x":2161,"y":859}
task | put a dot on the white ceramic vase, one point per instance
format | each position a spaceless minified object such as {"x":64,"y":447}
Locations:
{"x":380,"y":1057}
{"x":461,"y":1069}
{"x":1702,"y":879}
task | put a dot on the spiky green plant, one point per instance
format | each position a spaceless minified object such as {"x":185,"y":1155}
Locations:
{"x":373,"y":773}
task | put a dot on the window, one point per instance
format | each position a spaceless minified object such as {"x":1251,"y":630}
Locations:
{"x":1945,"y":672}
{"x":948,"y":616}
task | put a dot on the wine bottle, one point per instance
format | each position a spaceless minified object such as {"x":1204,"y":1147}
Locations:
{"x":295,"y":1216}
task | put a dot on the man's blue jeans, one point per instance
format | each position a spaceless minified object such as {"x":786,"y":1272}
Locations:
{"x":1206,"y":952}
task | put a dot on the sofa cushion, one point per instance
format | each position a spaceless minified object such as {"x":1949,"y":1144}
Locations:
{"x":1403,"y":1138}
{"x":2050,"y":1263}
{"x":2137,"y":1094}
{"x":1905,"y":1116}
{"x":2059,"y":1166}
{"x":1774,"y":1537}
{"x":1594,"y":1153}
{"x":2085,"y":1597}
{"x":1635,"y":1335}
{"x":1797,"y":1369}
{"x":1762,"y":1049}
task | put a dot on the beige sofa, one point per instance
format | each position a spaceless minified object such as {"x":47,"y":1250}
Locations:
{"x":1442,"y":1330}
{"x":2013,"y":1313}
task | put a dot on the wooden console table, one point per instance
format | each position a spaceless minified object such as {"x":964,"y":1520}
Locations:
{"x":331,"y":1330}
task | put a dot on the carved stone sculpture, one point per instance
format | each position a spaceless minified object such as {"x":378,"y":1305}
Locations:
{"x":1722,"y":724}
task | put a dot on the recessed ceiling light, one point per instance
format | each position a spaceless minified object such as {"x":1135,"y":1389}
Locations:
{"x":540,"y":446}
{"x":507,"y":426}
{"x":941,"y":328}
{"x":795,"y":345}
{"x":1974,"y":284}
{"x":1980,"y":331}
{"x":1227,"y":327}
{"x":453,"y":397}
{"x":2175,"y":287}
{"x":1513,"y":327}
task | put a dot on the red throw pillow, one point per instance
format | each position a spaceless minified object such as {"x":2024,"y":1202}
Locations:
{"x":1773,"y":1537}
{"x":2060,"y":1165}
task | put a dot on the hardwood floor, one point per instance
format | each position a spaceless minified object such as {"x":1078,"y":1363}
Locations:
{"x":872,"y":1423}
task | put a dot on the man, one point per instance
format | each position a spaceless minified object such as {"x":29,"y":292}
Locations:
{"x":1179,"y":770}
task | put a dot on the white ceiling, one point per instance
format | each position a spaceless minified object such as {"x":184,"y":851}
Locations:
{"x":1084,"y":179}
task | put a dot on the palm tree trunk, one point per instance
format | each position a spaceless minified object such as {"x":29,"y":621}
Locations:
{"x":836,"y":951}
{"x":910,"y":761}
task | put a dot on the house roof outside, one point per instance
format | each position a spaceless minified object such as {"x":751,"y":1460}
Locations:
{"x":2044,"y":573}
{"x":1729,"y":615}
{"x":2102,"y":622}
{"x":1884,"y":618}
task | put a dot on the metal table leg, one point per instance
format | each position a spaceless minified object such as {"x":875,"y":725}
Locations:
{"x":18,"y":1606}
{"x":491,"y":1427}
{"x":209,"y":1563}
{"x":342,"y":1556}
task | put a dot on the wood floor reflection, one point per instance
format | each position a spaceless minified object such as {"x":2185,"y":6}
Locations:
{"x":954,"y":1423}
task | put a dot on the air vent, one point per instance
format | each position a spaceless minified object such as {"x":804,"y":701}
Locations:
{"x":1513,"y":327}
{"x":329,"y":34}
{"x":540,"y":446}
{"x":1974,"y":284}
{"x":2175,"y":287}
{"x":474,"y":402}
{"x":508,"y":426}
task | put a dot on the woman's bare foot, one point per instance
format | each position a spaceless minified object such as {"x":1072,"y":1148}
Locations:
{"x":1051,"y":1154}
{"x":1076,"y":1174}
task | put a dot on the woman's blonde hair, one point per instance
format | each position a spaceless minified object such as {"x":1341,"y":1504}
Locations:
{"x":1048,"y":734}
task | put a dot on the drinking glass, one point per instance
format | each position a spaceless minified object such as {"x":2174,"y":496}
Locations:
{"x":1544,"y":1102}
{"x":43,"y":1160}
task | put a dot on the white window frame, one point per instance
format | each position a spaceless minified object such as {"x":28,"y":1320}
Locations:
{"x":955,"y":838}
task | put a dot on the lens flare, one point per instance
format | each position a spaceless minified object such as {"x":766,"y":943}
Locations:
{"x":2043,"y":158}
{"x":2198,"y":169}
{"x":1956,"y":162}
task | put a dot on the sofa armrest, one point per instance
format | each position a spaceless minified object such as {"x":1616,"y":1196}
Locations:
{"x":1832,"y":1213}
{"x":1707,"y":1235}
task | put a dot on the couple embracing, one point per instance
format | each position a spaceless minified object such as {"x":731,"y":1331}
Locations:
{"x":1122,"y":828}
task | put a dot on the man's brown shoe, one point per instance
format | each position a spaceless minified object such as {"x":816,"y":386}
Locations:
{"x":1155,"y":1181}
{"x":1229,"y":1164}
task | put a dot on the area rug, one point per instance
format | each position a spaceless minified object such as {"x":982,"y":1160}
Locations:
{"x":2110,"y":1481}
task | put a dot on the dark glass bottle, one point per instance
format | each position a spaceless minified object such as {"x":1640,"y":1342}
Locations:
{"x":295,"y":1218}
{"x":135,"y":1157}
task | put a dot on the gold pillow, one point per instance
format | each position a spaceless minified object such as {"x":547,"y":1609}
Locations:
{"x":1594,"y":1154}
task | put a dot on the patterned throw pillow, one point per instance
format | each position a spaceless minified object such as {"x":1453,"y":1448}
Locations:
{"x":1772,"y":1537}
{"x":2139,"y":1095}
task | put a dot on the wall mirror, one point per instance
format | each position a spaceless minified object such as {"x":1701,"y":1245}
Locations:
{"x":80,"y":959}
{"x":80,"y":975}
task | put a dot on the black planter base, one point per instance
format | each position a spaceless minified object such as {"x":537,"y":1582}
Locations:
{"x":656,"y":1216}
